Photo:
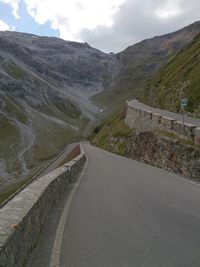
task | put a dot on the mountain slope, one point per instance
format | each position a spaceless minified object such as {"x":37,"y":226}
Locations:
{"x":140,"y":61}
{"x":51,"y":89}
{"x":180,"y":78}
{"x":45,"y":85}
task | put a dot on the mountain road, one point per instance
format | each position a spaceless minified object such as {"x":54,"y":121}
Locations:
{"x":125,"y":213}
{"x":177,"y":116}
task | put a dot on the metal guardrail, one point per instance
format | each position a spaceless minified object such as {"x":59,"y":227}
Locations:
{"x":33,"y":178}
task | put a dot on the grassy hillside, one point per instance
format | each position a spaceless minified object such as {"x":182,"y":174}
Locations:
{"x":112,"y":134}
{"x":140,"y":61}
{"x":115,"y":136}
{"x":180,"y":78}
{"x":30,"y":136}
{"x":46,"y":83}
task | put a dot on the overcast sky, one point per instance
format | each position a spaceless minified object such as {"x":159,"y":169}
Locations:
{"x":109,"y":25}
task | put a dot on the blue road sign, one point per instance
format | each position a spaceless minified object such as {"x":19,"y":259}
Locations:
{"x":184,"y":103}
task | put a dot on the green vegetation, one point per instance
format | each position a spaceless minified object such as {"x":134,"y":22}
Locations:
{"x":13,"y":108}
{"x":51,"y":140}
{"x":167,"y":133}
{"x":115,"y":99}
{"x":139,"y":62}
{"x":9,"y":144}
{"x":53,"y":135}
{"x":11,"y":188}
{"x":64,"y":111}
{"x":112,"y":134}
{"x":67,"y":108}
{"x":173,"y":135}
{"x":180,"y":78}
{"x":16,"y":72}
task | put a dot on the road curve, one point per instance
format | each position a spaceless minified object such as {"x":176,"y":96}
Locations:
{"x":58,"y":160}
{"x":176,"y":116}
{"x":126,"y":213}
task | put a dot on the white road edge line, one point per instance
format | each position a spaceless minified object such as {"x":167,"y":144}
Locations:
{"x":55,"y":255}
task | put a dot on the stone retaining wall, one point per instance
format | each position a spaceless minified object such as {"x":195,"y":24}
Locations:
{"x":145,"y":120}
{"x":166,"y":123}
{"x":197,"y":135}
{"x":23,"y":217}
{"x":156,"y":120}
{"x":165,"y":153}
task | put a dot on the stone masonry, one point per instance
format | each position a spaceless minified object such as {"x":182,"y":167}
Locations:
{"x":165,"y":153}
{"x":23,"y":217}
{"x":146,"y":120}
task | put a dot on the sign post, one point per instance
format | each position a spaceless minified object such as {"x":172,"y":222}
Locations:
{"x":184,"y":103}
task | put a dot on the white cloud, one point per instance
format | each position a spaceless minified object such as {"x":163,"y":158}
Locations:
{"x":168,"y":9}
{"x":15,"y":6}
{"x":72,"y":16}
{"x":4,"y":26}
{"x":142,"y":19}
{"x":110,"y":25}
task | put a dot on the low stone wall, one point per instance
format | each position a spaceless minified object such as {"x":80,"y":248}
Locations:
{"x":156,"y":120}
{"x":138,"y":118}
{"x":144,"y":120}
{"x":197,"y":135}
{"x":23,"y":217}
{"x":167,"y":123}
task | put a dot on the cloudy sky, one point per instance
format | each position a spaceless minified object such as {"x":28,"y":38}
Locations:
{"x":109,"y":25}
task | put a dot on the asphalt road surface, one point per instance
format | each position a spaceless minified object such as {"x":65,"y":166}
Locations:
{"x":126,"y":213}
{"x":176,"y":116}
